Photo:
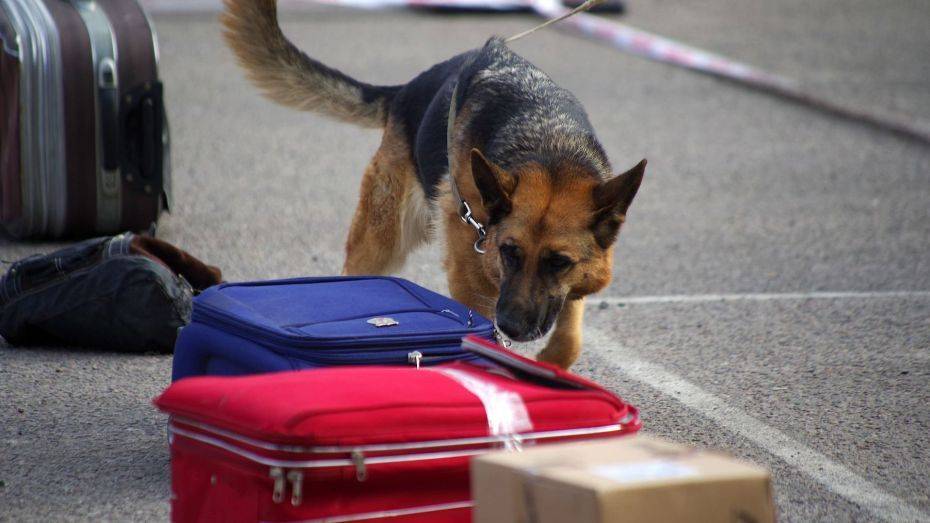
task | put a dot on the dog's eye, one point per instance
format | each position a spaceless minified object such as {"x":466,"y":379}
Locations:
{"x":510,"y":255}
{"x":558,"y":263}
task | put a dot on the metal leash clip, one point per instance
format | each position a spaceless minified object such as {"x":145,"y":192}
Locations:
{"x":467,"y":217}
{"x":502,"y":340}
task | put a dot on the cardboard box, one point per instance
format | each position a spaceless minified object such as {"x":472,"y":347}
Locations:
{"x":634,"y":478}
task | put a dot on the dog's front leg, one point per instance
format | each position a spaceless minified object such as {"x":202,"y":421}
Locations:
{"x":565,"y":343}
{"x":392,"y":214}
{"x":471,"y":289}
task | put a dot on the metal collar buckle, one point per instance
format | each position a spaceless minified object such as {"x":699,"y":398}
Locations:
{"x":467,"y":217}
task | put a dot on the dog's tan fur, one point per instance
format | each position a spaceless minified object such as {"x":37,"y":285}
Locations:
{"x":569,"y":213}
{"x":545,"y":217}
{"x":389,"y":222}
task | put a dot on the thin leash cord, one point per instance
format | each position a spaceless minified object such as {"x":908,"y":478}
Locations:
{"x":588,"y":4}
{"x":583,"y":7}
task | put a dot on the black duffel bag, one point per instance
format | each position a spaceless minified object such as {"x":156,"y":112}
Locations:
{"x":126,"y":293}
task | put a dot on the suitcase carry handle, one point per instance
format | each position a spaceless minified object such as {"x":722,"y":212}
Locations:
{"x":132,"y":128}
{"x":142,"y":127}
{"x":109,"y":113}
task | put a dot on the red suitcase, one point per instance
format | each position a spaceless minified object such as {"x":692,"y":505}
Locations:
{"x":366,"y":443}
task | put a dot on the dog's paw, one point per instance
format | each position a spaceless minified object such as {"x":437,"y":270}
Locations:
{"x":559,"y":354}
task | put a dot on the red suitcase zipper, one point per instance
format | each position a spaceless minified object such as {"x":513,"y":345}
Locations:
{"x":287,"y":469}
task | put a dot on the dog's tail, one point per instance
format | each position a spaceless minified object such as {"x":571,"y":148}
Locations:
{"x":290,"y":77}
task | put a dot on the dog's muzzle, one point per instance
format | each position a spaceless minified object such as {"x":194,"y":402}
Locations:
{"x":527,"y":323}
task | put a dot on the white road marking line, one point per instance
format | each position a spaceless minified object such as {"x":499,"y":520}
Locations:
{"x":832,"y":475}
{"x":761,"y":296}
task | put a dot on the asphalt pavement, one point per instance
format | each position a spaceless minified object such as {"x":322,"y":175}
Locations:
{"x":772,"y":284}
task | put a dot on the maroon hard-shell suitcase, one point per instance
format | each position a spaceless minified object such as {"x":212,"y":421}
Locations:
{"x":83,"y":133}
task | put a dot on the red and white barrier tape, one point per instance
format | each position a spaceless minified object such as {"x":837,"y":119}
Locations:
{"x":497,"y":5}
{"x":654,"y":47}
{"x":647,"y":45}
{"x":191,"y":6}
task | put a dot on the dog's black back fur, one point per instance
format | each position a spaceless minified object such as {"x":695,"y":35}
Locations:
{"x":518,"y":115}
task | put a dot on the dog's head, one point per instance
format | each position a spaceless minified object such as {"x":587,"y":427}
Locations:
{"x":550,"y":237}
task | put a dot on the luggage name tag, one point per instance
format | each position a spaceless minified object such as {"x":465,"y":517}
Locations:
{"x":529,"y":370}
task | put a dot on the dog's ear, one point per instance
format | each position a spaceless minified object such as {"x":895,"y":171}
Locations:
{"x":495,"y":185}
{"x":612,"y":198}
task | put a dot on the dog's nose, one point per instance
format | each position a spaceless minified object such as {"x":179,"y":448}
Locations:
{"x":513,"y":330}
{"x":515,"y":325}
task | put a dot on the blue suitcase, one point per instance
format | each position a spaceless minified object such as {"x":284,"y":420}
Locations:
{"x":250,"y":328}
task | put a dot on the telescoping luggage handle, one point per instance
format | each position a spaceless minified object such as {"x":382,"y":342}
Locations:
{"x":106,"y":112}
{"x":132,"y":137}
{"x":132,"y":129}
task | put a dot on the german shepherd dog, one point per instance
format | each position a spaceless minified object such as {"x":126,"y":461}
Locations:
{"x":524,"y":156}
